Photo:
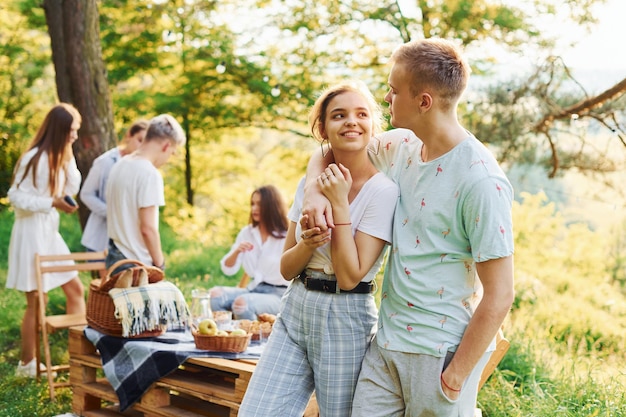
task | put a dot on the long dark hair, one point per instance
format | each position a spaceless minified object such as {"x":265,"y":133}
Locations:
{"x":273,"y":211}
{"x":53,"y":139}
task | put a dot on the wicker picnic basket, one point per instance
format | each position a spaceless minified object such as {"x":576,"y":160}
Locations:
{"x":230,"y":343}
{"x":100,"y":306}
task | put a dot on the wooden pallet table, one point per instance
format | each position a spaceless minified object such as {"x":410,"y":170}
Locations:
{"x":201,"y":387}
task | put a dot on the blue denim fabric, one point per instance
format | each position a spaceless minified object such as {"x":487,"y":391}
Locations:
{"x":264,"y":298}
{"x":114,"y":255}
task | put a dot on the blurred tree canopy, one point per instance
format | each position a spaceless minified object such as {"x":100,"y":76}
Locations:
{"x":240,"y":75}
{"x":25,"y":71}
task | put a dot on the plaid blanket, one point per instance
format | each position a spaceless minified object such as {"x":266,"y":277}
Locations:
{"x":132,"y":365}
{"x":148,"y":307}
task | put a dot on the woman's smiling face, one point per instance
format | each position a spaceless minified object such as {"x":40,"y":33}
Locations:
{"x":348,"y":122}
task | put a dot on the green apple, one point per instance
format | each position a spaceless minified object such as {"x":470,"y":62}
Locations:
{"x":207,"y":327}
{"x":238,"y":332}
{"x":221,"y":333}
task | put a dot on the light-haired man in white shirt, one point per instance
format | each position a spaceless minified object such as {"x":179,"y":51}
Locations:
{"x":134,"y":193}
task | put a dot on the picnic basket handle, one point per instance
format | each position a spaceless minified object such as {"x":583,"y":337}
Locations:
{"x":116,"y":265}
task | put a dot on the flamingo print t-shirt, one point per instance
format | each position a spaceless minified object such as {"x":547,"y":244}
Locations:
{"x":453,"y":211}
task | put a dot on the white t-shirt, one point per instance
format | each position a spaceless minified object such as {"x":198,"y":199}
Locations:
{"x":262,"y":262}
{"x":133,"y":184}
{"x":371,"y":212}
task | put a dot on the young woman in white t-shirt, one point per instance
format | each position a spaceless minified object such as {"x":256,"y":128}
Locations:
{"x":328,"y":314}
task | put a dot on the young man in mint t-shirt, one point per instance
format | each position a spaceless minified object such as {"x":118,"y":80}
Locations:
{"x":452,"y":225}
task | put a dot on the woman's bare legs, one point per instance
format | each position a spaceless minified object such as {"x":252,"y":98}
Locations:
{"x":28,"y":329}
{"x":75,"y":296}
{"x":75,"y":304}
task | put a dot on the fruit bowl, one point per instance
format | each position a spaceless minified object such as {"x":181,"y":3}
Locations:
{"x":230,"y":343}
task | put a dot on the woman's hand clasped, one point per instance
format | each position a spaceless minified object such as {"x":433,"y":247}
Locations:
{"x":335,"y":183}
{"x":314,"y":237}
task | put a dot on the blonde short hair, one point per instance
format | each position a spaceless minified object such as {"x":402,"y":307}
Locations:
{"x":165,"y":126}
{"x":436,"y":64}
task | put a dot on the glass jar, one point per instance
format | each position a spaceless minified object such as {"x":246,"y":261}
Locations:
{"x":200,"y":306}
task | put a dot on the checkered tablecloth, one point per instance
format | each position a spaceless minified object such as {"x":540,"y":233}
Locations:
{"x":132,"y":365}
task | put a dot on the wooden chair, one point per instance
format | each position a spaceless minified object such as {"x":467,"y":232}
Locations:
{"x":502,"y":346}
{"x":47,"y":324}
{"x":243,"y":282}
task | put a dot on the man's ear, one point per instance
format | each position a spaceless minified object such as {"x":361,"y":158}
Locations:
{"x":425,"y":102}
{"x":166,"y":145}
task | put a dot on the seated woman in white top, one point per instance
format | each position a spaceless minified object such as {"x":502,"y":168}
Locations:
{"x":257,"y":249}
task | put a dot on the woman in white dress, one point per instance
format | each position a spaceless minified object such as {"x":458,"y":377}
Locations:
{"x":42,"y":177}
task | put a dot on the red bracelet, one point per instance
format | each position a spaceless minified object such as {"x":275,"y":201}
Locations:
{"x":448,"y":386}
{"x":343,"y":224}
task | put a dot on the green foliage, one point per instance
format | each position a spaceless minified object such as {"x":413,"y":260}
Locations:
{"x":233,"y":166}
{"x":517,"y":116}
{"x":250,"y":63}
{"x":532,"y":380}
{"x":559,"y":267}
{"x":566,"y":327}
{"x":616,"y":267}
{"x":24,"y":69}
{"x":474,"y":20}
{"x":6,"y":224}
{"x":132,"y":38}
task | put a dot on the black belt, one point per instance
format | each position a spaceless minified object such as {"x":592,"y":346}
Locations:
{"x":330,"y":286}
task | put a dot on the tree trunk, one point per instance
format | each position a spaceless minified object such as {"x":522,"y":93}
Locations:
{"x":188,"y":176}
{"x":81,"y":77}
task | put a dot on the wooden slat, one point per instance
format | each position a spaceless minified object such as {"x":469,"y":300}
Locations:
{"x":170,"y":411}
{"x":112,"y":412}
{"x":213,"y":391}
{"x":86,"y":360}
{"x":76,"y":267}
{"x":64,"y":321}
{"x":101,"y":389}
{"x":198,"y":406}
{"x":227,"y":365}
{"x":77,"y":256}
{"x":502,"y":346}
